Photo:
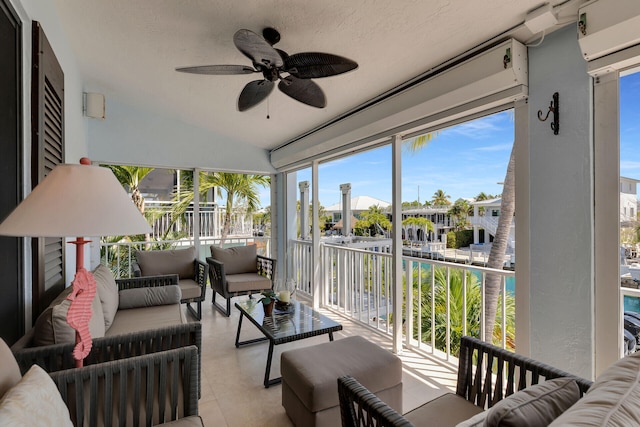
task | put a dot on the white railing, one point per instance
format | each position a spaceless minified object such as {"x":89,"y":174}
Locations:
{"x":210,"y":220}
{"x":446,"y":298}
{"x":120,"y":256}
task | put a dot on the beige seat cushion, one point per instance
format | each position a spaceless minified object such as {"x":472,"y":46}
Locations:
{"x":238,"y":259}
{"x":9,"y":370}
{"x":444,"y":411}
{"x":141,"y":319}
{"x":174,"y":261}
{"x":52,"y":328}
{"x":247,"y":282}
{"x":190,"y":288}
{"x":108,"y":293}
{"x":192,"y":421}
{"x":312,"y":372}
{"x":613,"y":399}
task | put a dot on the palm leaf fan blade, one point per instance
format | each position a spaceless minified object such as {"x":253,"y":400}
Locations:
{"x":254,"y":93}
{"x":305,"y":91}
{"x":311,"y":65}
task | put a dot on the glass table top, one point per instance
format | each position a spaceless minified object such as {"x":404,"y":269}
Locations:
{"x":296,"y":322}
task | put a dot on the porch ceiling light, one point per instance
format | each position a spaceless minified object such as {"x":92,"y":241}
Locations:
{"x":77,"y":200}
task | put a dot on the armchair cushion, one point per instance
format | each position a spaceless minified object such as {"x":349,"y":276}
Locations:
{"x":149,"y":297}
{"x":34,"y":401}
{"x":174,"y":261}
{"x":238,"y":259}
{"x":52,"y":328}
{"x":247,"y":282}
{"x":190,"y":288}
{"x":108,"y":293}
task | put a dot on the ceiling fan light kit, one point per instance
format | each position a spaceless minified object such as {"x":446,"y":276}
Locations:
{"x":294,"y":72}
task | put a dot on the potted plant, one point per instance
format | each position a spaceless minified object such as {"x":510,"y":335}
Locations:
{"x":268,"y":300}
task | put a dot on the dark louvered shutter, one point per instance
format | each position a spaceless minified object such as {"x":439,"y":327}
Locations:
{"x":47,"y":151}
{"x":11,"y":146}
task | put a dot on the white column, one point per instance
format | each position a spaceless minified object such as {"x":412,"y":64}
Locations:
{"x":396,"y":236}
{"x":304,"y":209}
{"x":608,"y":321}
{"x":523,"y":251}
{"x":317,"y":284}
{"x":196,"y":210}
{"x":346,"y":209}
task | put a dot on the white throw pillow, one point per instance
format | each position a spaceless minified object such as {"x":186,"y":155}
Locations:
{"x":34,"y":402}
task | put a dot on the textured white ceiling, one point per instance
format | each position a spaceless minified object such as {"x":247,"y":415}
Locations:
{"x":128,"y":50}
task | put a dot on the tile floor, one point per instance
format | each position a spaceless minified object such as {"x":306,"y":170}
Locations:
{"x":232,"y":391}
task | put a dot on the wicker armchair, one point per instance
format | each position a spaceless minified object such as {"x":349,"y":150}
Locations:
{"x":486,"y":375}
{"x":192,"y":273}
{"x":145,"y":390}
{"x":238,"y":271}
{"x":139,"y":391}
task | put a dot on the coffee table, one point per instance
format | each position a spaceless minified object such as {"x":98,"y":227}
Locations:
{"x":298,"y":322}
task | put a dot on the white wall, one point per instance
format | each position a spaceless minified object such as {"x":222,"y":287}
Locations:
{"x":138,"y":137}
{"x":561,"y":207}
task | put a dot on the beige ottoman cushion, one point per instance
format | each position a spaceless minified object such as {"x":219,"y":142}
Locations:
{"x":310,"y":374}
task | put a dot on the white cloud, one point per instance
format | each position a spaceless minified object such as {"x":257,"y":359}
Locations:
{"x":497,"y":147}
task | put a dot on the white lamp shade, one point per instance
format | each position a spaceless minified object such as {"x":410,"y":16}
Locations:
{"x":76,"y":200}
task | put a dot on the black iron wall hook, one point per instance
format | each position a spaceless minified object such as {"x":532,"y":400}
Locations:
{"x":554,"y":107}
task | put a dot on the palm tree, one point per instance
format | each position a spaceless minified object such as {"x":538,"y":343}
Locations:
{"x":440,"y":198}
{"x":130,"y":177}
{"x":460,"y":211}
{"x":422,"y":223}
{"x":499,"y":247}
{"x":239,"y":188}
{"x":479,"y":198}
{"x":455,"y":308}
{"x":374,"y":220}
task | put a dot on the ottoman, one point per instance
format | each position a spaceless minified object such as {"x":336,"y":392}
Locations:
{"x":310,"y":378}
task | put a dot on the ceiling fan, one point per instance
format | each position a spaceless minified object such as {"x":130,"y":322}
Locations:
{"x":293,"y":71}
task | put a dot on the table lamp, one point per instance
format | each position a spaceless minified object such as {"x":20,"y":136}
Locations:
{"x":77,"y":200}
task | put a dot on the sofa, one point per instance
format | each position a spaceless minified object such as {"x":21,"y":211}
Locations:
{"x":499,"y":388}
{"x":494,"y":388}
{"x":146,"y":390}
{"x":130,"y":317}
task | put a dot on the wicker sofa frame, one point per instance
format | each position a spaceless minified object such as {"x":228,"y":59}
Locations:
{"x":218,"y":280}
{"x":57,"y":357}
{"x":143,"y":390}
{"x":486,"y":375}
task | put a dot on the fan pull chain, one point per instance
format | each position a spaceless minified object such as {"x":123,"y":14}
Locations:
{"x":268,"y":109}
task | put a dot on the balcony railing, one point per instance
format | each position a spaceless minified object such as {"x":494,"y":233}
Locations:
{"x":445,"y":301}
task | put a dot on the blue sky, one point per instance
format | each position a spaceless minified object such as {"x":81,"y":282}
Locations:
{"x":462,"y":160}
{"x":630,"y":126}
